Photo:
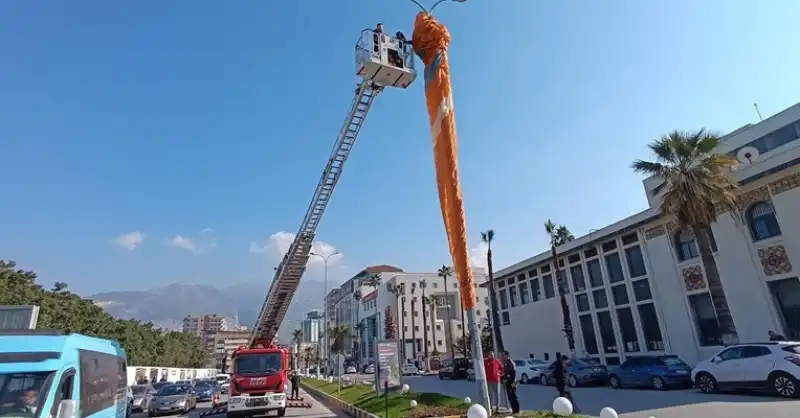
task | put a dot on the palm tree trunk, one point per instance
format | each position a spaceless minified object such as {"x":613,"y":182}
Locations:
{"x":433,"y":325}
{"x":413,"y":331}
{"x":449,"y":328}
{"x":498,"y":334}
{"x":715,"y":288}
{"x":403,"y":329}
{"x":562,"y":288}
{"x":463,"y":322}
{"x":425,"y":330}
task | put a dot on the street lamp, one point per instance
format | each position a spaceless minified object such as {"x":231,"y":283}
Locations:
{"x":325,"y":259}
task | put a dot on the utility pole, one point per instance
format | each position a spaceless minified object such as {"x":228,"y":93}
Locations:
{"x":325,"y":259}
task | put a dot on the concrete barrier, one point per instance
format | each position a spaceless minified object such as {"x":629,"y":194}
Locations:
{"x":342,"y":405}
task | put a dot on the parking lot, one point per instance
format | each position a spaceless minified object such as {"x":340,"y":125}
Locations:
{"x":630,"y":403}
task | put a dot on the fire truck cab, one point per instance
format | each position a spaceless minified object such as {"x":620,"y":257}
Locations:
{"x":259,"y":379}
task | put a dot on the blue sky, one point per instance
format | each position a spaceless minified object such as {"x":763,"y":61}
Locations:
{"x":212,"y":121}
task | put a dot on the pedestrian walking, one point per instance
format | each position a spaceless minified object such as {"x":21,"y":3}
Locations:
{"x":561,"y":376}
{"x":494,"y":373}
{"x":295,"y":384}
{"x":510,"y":382}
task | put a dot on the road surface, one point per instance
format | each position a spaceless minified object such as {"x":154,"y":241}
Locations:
{"x":630,"y":403}
{"x":316,"y":411}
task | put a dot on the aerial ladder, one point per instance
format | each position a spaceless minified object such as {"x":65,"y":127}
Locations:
{"x":381,"y":61}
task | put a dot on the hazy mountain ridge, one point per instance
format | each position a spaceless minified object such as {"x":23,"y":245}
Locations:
{"x":167,"y":306}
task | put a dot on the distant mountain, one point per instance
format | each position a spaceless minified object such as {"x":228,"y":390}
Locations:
{"x":167,"y":306}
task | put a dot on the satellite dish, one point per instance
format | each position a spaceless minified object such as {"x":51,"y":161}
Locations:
{"x":747,"y":155}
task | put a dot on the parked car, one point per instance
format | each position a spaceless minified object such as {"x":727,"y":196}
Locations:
{"x":529,"y":370}
{"x":657,"y":372}
{"x":581,"y":372}
{"x":142,"y":394}
{"x":129,"y":396}
{"x":456,"y":370}
{"x":351,"y":370}
{"x":172,"y":399}
{"x":410,"y":370}
{"x":772,"y":366}
{"x":224,"y":387}
{"x":160,"y":385}
{"x":204,"y":391}
{"x":370,"y":369}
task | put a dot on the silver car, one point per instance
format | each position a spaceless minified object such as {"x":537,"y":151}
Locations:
{"x":142,"y":394}
{"x":172,"y":399}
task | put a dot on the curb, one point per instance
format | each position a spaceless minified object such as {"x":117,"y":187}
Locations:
{"x":344,"y":406}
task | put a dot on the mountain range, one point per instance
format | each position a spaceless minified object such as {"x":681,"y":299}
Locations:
{"x":167,"y":306}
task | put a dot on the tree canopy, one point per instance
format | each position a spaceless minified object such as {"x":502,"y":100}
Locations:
{"x":67,"y":312}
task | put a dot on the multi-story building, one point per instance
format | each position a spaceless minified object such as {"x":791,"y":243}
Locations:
{"x":205,"y":324}
{"x":311,"y":326}
{"x":224,"y":343}
{"x":431,"y":328}
{"x":639,"y":286}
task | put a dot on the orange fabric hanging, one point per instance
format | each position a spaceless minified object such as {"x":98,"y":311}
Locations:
{"x":430,"y":41}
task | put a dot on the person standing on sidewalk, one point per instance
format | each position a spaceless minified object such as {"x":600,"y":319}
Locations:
{"x":561,"y":376}
{"x":295,"y":384}
{"x":510,"y":382}
{"x":494,"y":372}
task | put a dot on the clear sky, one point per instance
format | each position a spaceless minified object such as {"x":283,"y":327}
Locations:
{"x":193,"y":131}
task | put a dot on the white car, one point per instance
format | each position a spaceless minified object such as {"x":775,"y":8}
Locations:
{"x":410,"y":370}
{"x":351,"y":370}
{"x":774,"y":366}
{"x":529,"y":370}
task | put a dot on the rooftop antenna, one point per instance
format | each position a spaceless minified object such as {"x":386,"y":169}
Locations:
{"x":755,"y":105}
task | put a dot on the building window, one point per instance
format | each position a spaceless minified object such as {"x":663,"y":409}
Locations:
{"x":416,"y":313}
{"x":589,"y":337}
{"x":435,"y":285}
{"x":641,"y":290}
{"x":591,"y":252}
{"x":405,"y":328}
{"x":609,"y":246}
{"x":578,"y":281}
{"x":630,"y":341}
{"x":607,"y":332}
{"x":524,"y":294}
{"x":545,"y":269}
{"x":630,"y":238}
{"x":549,"y":290}
{"x":503,"y":299}
{"x":614,"y":266}
{"x":619,"y":294}
{"x":506,"y":318}
{"x":652,"y":331}
{"x":561,"y":282}
{"x":438,"y":342}
{"x":416,"y":328}
{"x":438,"y":327}
{"x":595,"y":273}
{"x":762,"y":221}
{"x":600,"y":299}
{"x":458,"y":326}
{"x":574,"y":258}
{"x":512,"y":295}
{"x":705,"y":320}
{"x":582,"y":300}
{"x":455,"y":285}
{"x":686,"y":246}
{"x":635,"y":260}
{"x":536,"y":293}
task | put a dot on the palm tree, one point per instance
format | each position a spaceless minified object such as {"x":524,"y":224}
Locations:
{"x":309,"y":356}
{"x":357,"y":328}
{"x":359,"y":331}
{"x":399,"y":292}
{"x":434,"y":302}
{"x":338,"y":334}
{"x":696,"y":186}
{"x":425,"y":303}
{"x":445,"y":272}
{"x":373,"y":281}
{"x":403,"y":321}
{"x":560,"y":235}
{"x":487,"y":238}
{"x":297,"y":337}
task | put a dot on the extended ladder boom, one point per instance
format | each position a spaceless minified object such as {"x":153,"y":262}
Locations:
{"x":293,"y":265}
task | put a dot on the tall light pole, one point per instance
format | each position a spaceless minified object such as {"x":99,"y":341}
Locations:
{"x":325,"y":259}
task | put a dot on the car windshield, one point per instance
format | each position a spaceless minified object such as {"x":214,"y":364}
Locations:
{"x":158,"y":386}
{"x":173,"y":390}
{"x":261,"y":363}
{"x":537,"y":362}
{"x":202,"y":388}
{"x":19,"y":393}
{"x":587,"y":362}
{"x":672,"y":361}
{"x":138,"y":390}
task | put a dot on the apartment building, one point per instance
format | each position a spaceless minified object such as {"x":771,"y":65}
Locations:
{"x":208,"y":324}
{"x":224,"y":343}
{"x":311,"y":326}
{"x":639,"y":286}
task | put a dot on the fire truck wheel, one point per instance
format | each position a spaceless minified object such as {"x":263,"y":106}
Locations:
{"x":282,"y":412}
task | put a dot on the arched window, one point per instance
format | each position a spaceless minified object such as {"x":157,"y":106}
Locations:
{"x":762,"y":221}
{"x":686,"y":245}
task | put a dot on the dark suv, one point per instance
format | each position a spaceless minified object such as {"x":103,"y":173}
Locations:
{"x":456,"y":370}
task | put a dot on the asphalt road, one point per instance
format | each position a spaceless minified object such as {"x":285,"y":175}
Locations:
{"x":630,"y":403}
{"x":316,"y":411}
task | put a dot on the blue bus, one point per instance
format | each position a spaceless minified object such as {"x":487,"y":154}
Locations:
{"x":45,"y":374}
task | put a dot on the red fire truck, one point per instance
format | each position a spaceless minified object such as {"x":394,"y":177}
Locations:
{"x":259,"y":379}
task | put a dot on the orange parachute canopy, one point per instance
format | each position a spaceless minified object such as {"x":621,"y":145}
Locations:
{"x":430,"y":41}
